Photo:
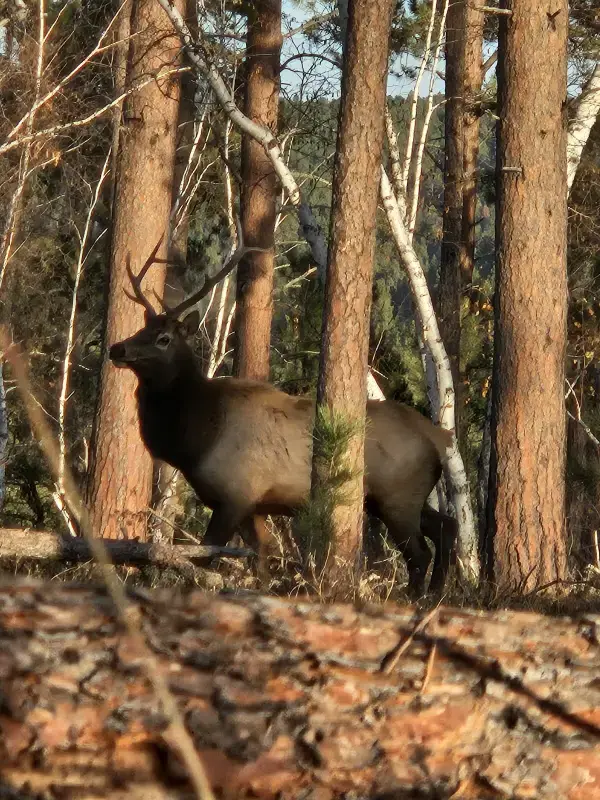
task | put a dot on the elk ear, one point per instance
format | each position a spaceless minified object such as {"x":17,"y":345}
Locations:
{"x":189,"y":325}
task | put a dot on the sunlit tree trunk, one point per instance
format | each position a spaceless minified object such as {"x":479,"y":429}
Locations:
{"x":120,"y":481}
{"x":526,"y":536}
{"x":260,"y":187}
{"x":464,"y":74}
{"x":343,"y":371}
{"x":472,"y":82}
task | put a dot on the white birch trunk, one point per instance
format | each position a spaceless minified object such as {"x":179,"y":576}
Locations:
{"x":587,"y":108}
{"x":374,"y":391}
{"x":467,"y":548}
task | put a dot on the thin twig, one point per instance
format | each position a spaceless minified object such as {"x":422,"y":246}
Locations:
{"x":83,"y":121}
{"x":415,"y":102}
{"x":66,"y":371}
{"x":12,"y":221}
{"x":391,"y":659}
{"x":428,"y":669}
{"x":412,"y":218}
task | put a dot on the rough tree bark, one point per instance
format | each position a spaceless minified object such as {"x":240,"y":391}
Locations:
{"x":472,"y":81}
{"x":167,"y":504}
{"x":120,"y":481}
{"x":449,"y":293}
{"x":287,"y":700}
{"x":464,"y":75}
{"x":260,"y":188}
{"x":526,"y":542}
{"x":347,"y":304}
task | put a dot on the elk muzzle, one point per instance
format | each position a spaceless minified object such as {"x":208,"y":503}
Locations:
{"x":118,"y":355}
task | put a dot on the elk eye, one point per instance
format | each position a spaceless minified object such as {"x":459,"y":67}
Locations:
{"x":164,"y":340}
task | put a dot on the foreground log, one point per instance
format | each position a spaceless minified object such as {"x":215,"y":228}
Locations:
{"x":296,"y":700}
{"x":46,"y":546}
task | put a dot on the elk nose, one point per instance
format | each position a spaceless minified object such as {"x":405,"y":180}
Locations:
{"x":117,"y":352}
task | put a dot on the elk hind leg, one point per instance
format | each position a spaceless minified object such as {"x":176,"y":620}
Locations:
{"x":404,"y":528}
{"x":441,"y":529}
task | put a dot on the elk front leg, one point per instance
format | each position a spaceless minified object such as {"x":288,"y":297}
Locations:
{"x":257,"y":535}
{"x":224,"y":522}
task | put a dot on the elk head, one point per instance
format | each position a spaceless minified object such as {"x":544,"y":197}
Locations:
{"x":157,"y":352}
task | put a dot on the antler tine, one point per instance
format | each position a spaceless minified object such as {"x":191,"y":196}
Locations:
{"x":209,"y":283}
{"x":136,"y":280}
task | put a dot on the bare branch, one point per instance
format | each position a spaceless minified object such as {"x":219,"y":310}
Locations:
{"x":415,"y":102}
{"x":66,"y":371}
{"x":311,"y":231}
{"x":412,"y":218}
{"x":80,"y":123}
{"x":12,"y":221}
{"x":39,"y":102}
{"x":216,"y":342}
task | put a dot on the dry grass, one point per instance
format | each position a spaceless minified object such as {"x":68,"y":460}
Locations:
{"x":383,"y":579}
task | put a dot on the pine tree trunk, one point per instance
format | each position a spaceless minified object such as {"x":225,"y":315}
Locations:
{"x":449,"y":294}
{"x":464,"y":75}
{"x":288,"y":700}
{"x":120,"y":482}
{"x":526,"y":538}
{"x":343,"y":370}
{"x":167,"y":504}
{"x":260,"y":187}
{"x":472,"y":82}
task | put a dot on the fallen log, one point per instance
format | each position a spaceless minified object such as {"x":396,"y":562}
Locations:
{"x":47,"y":546}
{"x":295,"y":700}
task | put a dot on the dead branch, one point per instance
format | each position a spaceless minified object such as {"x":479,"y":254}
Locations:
{"x":48,"y":546}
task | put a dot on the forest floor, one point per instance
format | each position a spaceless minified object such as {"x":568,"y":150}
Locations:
{"x":383,"y":580}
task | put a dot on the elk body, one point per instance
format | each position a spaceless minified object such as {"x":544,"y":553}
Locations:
{"x":245,"y":447}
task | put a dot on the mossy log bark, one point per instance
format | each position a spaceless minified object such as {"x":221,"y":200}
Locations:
{"x":296,"y":700}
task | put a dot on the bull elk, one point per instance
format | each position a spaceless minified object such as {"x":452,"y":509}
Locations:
{"x":245,"y":447}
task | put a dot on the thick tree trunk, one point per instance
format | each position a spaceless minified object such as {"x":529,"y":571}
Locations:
{"x":464,"y":75}
{"x":260,"y":187}
{"x":167,"y":504}
{"x":120,"y":483}
{"x":526,"y":539}
{"x":450,"y":277}
{"x":288,"y":700}
{"x":344,"y":354}
{"x":472,"y":82}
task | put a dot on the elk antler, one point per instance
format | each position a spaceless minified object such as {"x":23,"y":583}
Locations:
{"x":136,"y":280}
{"x":208,"y":284}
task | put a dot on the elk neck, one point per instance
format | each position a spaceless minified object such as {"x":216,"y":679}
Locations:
{"x":179,"y":417}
